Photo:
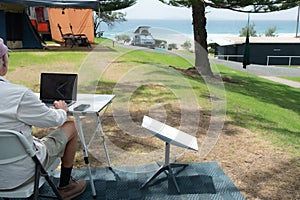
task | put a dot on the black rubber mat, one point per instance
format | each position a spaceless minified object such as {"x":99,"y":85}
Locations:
{"x":196,"y":181}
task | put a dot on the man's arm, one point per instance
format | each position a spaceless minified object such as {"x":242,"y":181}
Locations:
{"x":33,"y":112}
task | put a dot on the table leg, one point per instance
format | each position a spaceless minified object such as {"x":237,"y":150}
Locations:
{"x":103,"y":142}
{"x":85,"y":153}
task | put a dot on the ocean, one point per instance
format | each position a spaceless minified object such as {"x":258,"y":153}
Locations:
{"x":182,"y":30}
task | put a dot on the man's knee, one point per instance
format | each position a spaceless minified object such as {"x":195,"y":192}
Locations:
{"x":70,"y":129}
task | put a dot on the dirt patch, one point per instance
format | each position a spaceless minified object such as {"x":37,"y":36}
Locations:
{"x":258,"y":169}
{"x":193,"y":72}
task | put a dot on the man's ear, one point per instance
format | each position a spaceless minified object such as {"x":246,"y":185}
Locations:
{"x":3,"y":67}
{"x":1,"y":63}
{"x":5,"y":60}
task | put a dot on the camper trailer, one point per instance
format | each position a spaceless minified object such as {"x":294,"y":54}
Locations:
{"x":40,"y":20}
{"x":16,"y":29}
{"x":142,"y":37}
{"x":24,"y":22}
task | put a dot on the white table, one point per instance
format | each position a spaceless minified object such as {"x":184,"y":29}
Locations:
{"x":98,"y":105}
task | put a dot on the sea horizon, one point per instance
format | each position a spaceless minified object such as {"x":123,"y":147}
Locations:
{"x":180,"y":30}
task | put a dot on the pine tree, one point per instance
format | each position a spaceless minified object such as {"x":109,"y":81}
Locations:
{"x":107,"y":12}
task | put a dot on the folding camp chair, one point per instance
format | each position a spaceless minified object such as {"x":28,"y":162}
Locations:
{"x":81,"y":39}
{"x":13,"y":147}
{"x":67,"y":37}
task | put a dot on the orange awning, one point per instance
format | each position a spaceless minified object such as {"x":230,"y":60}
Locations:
{"x":81,"y":20}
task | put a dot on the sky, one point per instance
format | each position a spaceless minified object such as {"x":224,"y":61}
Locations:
{"x":154,"y":9}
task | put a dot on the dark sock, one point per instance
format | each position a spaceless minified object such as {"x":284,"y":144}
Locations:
{"x":65,"y":176}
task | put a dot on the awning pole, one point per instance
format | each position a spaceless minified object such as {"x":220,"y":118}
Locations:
{"x":298,"y":21}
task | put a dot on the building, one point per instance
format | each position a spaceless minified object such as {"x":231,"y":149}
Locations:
{"x":263,"y":50}
{"x":16,"y":29}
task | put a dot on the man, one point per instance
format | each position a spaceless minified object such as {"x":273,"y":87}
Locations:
{"x":20,"y":109}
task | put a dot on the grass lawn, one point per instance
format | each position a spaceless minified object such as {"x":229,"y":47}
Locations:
{"x":269,"y":108}
{"x":261,"y":135}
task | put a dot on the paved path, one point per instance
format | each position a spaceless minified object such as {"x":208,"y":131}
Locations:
{"x":283,"y":81}
{"x":259,"y":70}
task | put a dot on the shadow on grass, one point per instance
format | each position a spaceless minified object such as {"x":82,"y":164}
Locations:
{"x":271,"y":95}
{"x":266,"y":91}
{"x":287,"y":138}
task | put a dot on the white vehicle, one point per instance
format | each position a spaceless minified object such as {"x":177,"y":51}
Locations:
{"x":142,"y":37}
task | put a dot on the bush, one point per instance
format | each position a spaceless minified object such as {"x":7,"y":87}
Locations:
{"x":252,"y":31}
{"x":125,"y":38}
{"x":159,"y":43}
{"x":187,"y":45}
{"x":271,"y":32}
{"x":172,"y":46}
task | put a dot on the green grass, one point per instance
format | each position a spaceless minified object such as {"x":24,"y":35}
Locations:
{"x":42,"y":58}
{"x":101,"y":40}
{"x":265,"y":107}
{"x":137,"y":58}
{"x":144,"y":57}
{"x":291,"y":78}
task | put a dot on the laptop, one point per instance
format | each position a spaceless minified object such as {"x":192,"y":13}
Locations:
{"x":57,"y":86}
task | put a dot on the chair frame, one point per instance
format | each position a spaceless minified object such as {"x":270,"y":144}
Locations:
{"x":81,"y":39}
{"x":31,"y":188}
{"x":68,"y":37}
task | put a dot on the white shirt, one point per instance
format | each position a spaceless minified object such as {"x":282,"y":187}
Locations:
{"x":20,"y":109}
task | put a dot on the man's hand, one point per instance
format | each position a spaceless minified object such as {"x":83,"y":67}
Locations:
{"x":61,"y":105}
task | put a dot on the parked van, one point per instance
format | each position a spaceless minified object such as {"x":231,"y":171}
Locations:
{"x":142,"y":37}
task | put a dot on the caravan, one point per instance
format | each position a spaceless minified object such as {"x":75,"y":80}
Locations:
{"x":142,"y":37}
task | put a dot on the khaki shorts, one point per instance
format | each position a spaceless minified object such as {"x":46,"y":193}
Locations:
{"x":55,"y":143}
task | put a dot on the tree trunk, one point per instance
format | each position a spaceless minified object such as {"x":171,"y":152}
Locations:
{"x":200,"y":37}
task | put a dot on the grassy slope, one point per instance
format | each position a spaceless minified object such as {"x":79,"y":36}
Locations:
{"x":266,"y":107}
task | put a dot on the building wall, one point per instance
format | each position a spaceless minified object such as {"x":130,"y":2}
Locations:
{"x":231,"y":52}
{"x":260,"y":51}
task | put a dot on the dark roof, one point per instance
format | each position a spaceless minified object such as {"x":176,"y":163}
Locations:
{"x":57,"y":3}
{"x":258,"y":40}
{"x":143,"y":30}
